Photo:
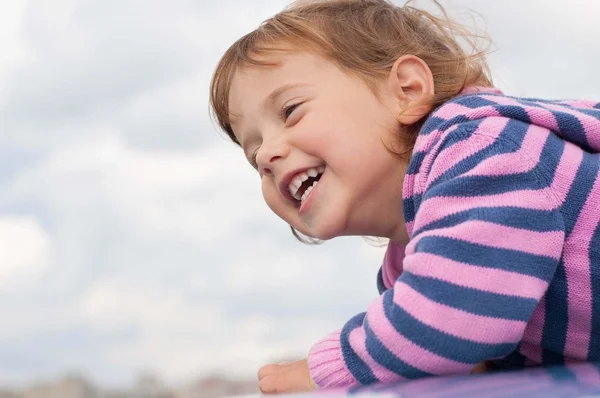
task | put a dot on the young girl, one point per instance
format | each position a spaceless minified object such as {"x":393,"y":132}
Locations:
{"x":365,"y":118}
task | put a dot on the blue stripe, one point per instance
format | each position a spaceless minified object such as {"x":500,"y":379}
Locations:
{"x":417,"y":202}
{"x":408,"y":207}
{"x":473,"y":101}
{"x":440,"y":343}
{"x":415,"y":162}
{"x":594,"y":352}
{"x":437,"y":123}
{"x":556,"y":317}
{"x":474,"y":301}
{"x":359,"y":369}
{"x":578,"y":193}
{"x":431,"y":124}
{"x":514,"y":112}
{"x":571,"y":128}
{"x":551,"y":357}
{"x":541,"y":267}
{"x":474,"y":186}
{"x":388,"y":360}
{"x":551,"y":154}
{"x":515,"y":217}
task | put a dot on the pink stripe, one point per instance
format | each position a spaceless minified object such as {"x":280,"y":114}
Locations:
{"x":577,"y":268}
{"x":456,"y":322}
{"x":405,"y":349}
{"x":460,"y":150}
{"x":425,"y":143}
{"x":523,"y":160}
{"x":542,"y":117}
{"x":326,"y":364}
{"x":475,"y":277}
{"x":502,"y":237}
{"x":566,"y":171}
{"x":409,"y":228}
{"x":532,"y":353}
{"x":532,"y":338}
{"x":408,"y":185}
{"x":392,"y":263}
{"x":452,"y":110}
{"x":357,"y":341}
{"x":590,"y":124}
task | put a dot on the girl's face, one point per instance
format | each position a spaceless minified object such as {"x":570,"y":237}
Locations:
{"x":306,"y":117}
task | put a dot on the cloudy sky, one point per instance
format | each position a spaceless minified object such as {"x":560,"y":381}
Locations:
{"x":133,"y":236}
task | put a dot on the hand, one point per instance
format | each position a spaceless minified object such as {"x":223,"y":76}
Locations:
{"x":287,"y":377}
{"x":482,"y":367}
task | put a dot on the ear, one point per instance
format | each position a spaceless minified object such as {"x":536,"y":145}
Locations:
{"x":411,"y":84}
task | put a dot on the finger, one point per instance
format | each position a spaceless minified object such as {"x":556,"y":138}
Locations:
{"x":479,"y":368}
{"x":268,"y":370}
{"x":283,"y":383}
{"x":273,"y":384}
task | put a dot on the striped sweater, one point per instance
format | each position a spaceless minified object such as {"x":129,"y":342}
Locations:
{"x":502,"y":206}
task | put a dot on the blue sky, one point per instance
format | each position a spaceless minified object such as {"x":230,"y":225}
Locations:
{"x":133,"y":236}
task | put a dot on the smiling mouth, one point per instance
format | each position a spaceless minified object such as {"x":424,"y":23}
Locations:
{"x":308,"y":186}
{"x":302,"y":185}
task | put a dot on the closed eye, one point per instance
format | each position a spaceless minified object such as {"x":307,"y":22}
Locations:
{"x":287,"y":111}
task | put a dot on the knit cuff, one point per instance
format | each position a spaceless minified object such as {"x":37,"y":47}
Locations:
{"x":326,"y":363}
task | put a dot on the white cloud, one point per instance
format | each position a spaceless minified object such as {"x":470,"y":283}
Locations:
{"x":13,"y":50}
{"x":180,"y":244}
{"x":182,"y":340}
{"x":25,"y":251}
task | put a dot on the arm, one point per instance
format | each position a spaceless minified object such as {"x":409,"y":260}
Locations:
{"x":472,"y":277}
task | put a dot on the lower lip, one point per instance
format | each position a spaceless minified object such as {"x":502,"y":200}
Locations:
{"x":305,"y":205}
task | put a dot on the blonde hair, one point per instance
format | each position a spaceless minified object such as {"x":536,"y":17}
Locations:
{"x":364,"y":38}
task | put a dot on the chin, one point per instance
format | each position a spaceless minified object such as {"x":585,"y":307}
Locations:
{"x":323,"y":229}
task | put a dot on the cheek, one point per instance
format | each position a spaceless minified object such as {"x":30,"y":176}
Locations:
{"x":272,"y":197}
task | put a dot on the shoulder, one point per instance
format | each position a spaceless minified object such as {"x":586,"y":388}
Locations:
{"x":475,"y":104}
{"x":485,"y":112}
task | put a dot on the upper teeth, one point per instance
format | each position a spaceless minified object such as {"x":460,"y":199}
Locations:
{"x":300,"y":178}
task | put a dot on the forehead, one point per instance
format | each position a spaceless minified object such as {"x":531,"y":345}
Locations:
{"x":251,"y":84}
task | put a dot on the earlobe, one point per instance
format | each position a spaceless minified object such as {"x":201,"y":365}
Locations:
{"x":411,"y":83}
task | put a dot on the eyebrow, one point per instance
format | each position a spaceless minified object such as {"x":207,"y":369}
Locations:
{"x":272,"y":98}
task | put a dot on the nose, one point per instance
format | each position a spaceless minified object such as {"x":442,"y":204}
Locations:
{"x":270,"y":154}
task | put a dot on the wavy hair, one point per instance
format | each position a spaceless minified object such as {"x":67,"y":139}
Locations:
{"x":364,"y":38}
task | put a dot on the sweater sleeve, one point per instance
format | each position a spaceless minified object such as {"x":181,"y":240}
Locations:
{"x":486,"y":241}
